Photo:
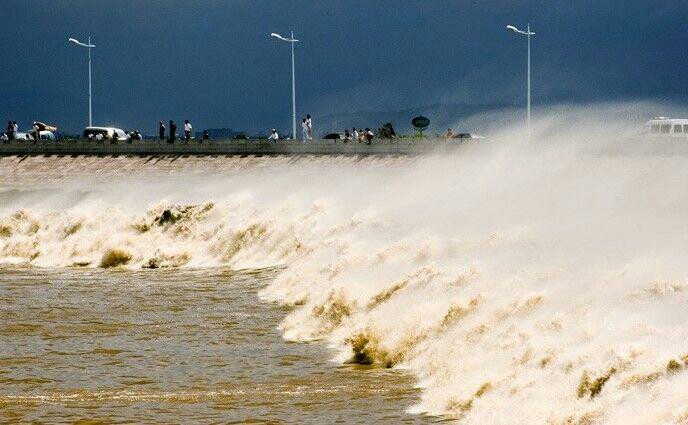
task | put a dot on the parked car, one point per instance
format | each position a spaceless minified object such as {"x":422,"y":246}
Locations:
{"x":667,"y":127}
{"x":45,"y":135}
{"x":106,"y":133}
{"x":135,"y":135}
{"x":468,"y":136}
{"x":18,"y":136}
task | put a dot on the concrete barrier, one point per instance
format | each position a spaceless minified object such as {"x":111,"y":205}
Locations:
{"x":228,"y":147}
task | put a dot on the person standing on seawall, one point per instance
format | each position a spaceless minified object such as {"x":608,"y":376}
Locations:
{"x":274,"y":136}
{"x":161,"y":130}
{"x":304,"y":130}
{"x":449,"y":136}
{"x":309,"y":123}
{"x":187,"y":131}
{"x":173,"y":132}
{"x":36,"y":132}
{"x":369,"y":136}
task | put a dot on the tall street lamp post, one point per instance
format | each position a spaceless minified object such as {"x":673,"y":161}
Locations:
{"x":89,"y":46}
{"x":528,"y":34}
{"x":291,"y":41}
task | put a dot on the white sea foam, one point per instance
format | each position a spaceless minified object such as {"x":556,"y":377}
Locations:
{"x":540,"y":282}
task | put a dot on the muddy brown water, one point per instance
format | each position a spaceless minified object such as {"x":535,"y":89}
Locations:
{"x":172,"y":346}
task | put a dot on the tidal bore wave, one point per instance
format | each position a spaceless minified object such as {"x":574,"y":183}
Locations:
{"x":519,"y":284}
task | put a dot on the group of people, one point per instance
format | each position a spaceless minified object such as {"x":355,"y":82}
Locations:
{"x":363,"y":136}
{"x":188,"y":129}
{"x":307,"y":128}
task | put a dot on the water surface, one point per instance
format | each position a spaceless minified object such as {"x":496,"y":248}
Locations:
{"x":172,"y":346}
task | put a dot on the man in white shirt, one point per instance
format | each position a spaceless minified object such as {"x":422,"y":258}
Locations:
{"x":274,"y":136}
{"x":187,"y":131}
{"x":304,"y":129}
{"x":355,"y":134}
{"x":309,"y":123}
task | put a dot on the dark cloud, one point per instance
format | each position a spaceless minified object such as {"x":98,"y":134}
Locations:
{"x":213,"y":62}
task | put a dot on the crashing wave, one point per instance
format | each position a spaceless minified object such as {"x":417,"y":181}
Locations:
{"x":537,"y":285}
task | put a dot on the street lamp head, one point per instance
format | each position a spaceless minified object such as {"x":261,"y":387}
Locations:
{"x":78,"y":43}
{"x":279,"y":37}
{"x":518,"y":31}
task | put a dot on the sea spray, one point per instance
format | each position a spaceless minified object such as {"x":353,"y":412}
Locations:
{"x":521,"y":283}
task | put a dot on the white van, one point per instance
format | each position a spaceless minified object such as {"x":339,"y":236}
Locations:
{"x":667,"y":127}
{"x":106,"y":133}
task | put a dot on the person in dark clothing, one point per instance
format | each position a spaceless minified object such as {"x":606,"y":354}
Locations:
{"x":206,"y":135}
{"x":173,"y":132}
{"x":161,"y":130}
{"x":10,"y":130}
{"x":36,"y":133}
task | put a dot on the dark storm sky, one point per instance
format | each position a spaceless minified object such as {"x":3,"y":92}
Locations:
{"x":213,"y":62}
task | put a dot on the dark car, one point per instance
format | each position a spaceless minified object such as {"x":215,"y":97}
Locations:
{"x":468,"y":136}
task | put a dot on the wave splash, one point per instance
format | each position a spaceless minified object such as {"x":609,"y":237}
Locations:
{"x":519,"y":283}
{"x":166,"y":235}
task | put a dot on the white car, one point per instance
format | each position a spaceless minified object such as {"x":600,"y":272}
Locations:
{"x":17,"y":136}
{"x":667,"y":127}
{"x":106,"y":133}
{"x":45,"y":135}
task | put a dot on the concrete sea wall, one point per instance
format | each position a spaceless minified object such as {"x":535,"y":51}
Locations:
{"x":228,"y":147}
{"x":21,"y":172}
